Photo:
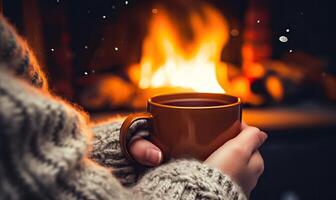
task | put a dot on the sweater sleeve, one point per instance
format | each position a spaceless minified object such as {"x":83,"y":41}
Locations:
{"x":43,"y":148}
{"x":106,"y":151}
{"x":19,"y":59}
{"x":188,"y":179}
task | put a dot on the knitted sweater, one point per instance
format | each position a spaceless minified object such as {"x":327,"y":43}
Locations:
{"x":49,"y":150}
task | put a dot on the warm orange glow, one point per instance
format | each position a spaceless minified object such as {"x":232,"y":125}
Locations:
{"x":241,"y":87}
{"x":275,"y":88}
{"x":254,"y":70}
{"x":168,"y":59}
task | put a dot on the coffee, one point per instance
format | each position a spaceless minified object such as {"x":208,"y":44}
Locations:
{"x":194,"y":103}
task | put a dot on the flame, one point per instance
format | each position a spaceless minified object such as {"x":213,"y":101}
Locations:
{"x":169,"y":59}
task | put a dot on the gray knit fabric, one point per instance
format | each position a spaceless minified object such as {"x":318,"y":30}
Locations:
{"x":48,"y":150}
{"x":14,"y":52}
{"x":106,"y":151}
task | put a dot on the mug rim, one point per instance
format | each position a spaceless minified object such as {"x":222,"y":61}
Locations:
{"x":158,"y":104}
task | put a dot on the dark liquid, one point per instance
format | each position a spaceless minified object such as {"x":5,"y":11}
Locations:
{"x":194,"y":103}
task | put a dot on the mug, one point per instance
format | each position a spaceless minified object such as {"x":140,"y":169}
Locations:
{"x":188,"y":125}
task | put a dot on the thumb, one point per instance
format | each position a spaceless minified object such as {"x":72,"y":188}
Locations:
{"x":145,"y":152}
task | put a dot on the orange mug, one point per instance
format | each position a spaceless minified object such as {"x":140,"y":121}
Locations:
{"x":188,"y":125}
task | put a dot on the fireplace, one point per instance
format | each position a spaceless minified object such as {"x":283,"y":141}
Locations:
{"x":113,"y":55}
{"x":110,"y":56}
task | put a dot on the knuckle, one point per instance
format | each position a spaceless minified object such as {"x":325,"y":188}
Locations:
{"x":254,"y":129}
{"x":257,"y":135}
{"x":259,"y":138}
{"x":238,"y":150}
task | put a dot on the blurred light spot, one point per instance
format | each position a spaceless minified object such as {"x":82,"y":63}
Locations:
{"x":126,"y":2}
{"x":287,"y":30}
{"x":116,"y":48}
{"x":104,"y":16}
{"x":275,"y":88}
{"x":256,"y":70}
{"x":154,"y":10}
{"x":289,"y":195}
{"x":52,"y":49}
{"x":85,"y":73}
{"x":258,"y":21}
{"x":86,"y":47}
{"x":241,"y":86}
{"x":283,"y":39}
{"x":234,"y":32}
{"x":290,"y":51}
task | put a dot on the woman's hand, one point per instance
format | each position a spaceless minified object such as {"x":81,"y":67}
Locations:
{"x":240,"y":159}
{"x":145,"y":152}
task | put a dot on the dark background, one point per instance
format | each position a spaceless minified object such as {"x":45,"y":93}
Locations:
{"x":299,"y":162}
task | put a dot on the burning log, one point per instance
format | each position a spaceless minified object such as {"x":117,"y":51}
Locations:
{"x":114,"y":92}
{"x":108,"y":91}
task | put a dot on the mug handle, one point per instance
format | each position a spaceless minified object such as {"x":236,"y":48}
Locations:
{"x":124,"y":130}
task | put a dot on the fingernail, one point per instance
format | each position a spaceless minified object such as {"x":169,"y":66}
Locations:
{"x":153,"y":156}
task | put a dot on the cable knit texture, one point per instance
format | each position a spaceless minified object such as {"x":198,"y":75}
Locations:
{"x":48,"y":150}
{"x":106,"y":151}
{"x":188,"y":179}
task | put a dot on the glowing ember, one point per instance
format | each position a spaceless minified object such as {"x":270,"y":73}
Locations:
{"x":169,"y":60}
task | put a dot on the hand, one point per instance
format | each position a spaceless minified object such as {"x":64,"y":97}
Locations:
{"x":145,"y":152}
{"x":240,"y":159}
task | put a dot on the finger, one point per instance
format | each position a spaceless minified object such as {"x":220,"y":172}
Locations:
{"x":250,"y":138}
{"x":255,"y":168}
{"x":145,"y":152}
{"x":256,"y":164}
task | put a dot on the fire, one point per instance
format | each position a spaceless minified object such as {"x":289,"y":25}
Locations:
{"x":169,"y":59}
